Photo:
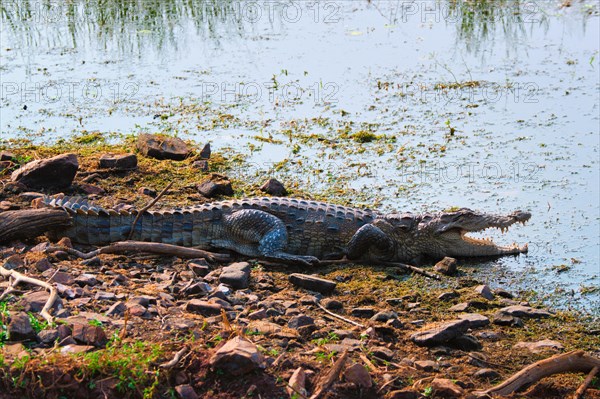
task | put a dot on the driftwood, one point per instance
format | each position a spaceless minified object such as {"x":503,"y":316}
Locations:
{"x":338,"y":316}
{"x":31,"y":223}
{"x":586,"y":383}
{"x":566,"y":362}
{"x":20,"y":278}
{"x":328,"y":379}
{"x":146,"y":247}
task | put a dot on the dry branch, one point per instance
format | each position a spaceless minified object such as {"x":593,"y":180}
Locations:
{"x":586,"y":383}
{"x":328,"y":379}
{"x":176,"y":359}
{"x":20,"y":278}
{"x":566,"y":362}
{"x":338,"y":316}
{"x":148,"y":247}
{"x":31,"y":223}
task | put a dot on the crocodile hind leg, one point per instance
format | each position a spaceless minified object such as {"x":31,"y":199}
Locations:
{"x":370,"y":242}
{"x":256,"y":233}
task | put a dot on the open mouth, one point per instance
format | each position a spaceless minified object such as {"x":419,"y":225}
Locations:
{"x":471,"y":237}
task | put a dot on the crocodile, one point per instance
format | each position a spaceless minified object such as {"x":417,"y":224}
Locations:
{"x":294,"y":230}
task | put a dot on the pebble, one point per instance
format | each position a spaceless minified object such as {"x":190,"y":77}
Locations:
{"x":236,"y":275}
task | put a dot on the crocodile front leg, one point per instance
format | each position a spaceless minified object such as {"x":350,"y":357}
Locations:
{"x":256,"y":233}
{"x":370,"y":242}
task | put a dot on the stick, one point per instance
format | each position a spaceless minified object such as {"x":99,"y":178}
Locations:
{"x":141,"y":246}
{"x":328,"y":379}
{"x":584,"y":385}
{"x":566,"y":362}
{"x":413,"y":269}
{"x":20,"y":278}
{"x":144,"y":209}
{"x":31,"y":223}
{"x":338,"y":316}
{"x":173,"y":362}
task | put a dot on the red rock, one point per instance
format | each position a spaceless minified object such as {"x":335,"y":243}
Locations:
{"x":445,"y":388}
{"x":358,"y":375}
{"x":237,"y":357}
{"x":162,"y":147}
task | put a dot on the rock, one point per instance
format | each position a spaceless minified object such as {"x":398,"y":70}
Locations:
{"x":540,"y":346}
{"x":445,"y":388}
{"x":407,"y":393}
{"x":19,"y":328}
{"x":446,"y":296}
{"x":467,"y":343}
{"x":487,"y":374}
{"x":48,"y":337}
{"x":118,"y":162}
{"x":90,"y":189}
{"x":258,"y":315}
{"x":503,"y":319}
{"x":236,"y":275}
{"x":86,"y":279}
{"x":441,"y":334}
{"x":117,"y":309}
{"x":332,"y":304}
{"x":202,"y":165}
{"x":196,"y":289}
{"x":179,"y":324}
{"x":446,"y":266}
{"x":74,"y":349}
{"x":485,"y":291}
{"x":186,"y":391}
{"x":460,"y":307}
{"x":147,"y":191}
{"x":203,"y":307}
{"x":358,"y":375}
{"x":89,"y":335}
{"x":364,"y":313}
{"x":298,"y":383}
{"x":13,"y":262}
{"x":427,"y":365}
{"x":55,"y":172}
{"x":35,"y":301}
{"x":382,"y":352}
{"x":7,"y":156}
{"x":384,"y":316}
{"x":300,"y":321}
{"x":274,"y":187}
{"x":61,"y":278}
{"x":491,"y":335}
{"x":215,"y":185}
{"x":312,"y":283}
{"x":263,"y":327}
{"x":205,"y":152}
{"x":7,"y":205}
{"x":525,"y":311}
{"x":237,"y":357}
{"x":162,"y":147}
{"x":475,"y":320}
{"x":200,"y":268}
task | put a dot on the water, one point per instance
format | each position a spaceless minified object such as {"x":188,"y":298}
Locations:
{"x":488,"y":105}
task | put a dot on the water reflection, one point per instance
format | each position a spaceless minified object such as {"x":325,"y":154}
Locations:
{"x":125,"y":27}
{"x":134,"y":28}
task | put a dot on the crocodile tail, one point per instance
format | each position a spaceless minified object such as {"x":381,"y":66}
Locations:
{"x":91,"y":224}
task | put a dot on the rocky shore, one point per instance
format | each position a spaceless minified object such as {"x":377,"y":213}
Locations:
{"x":140,"y":325}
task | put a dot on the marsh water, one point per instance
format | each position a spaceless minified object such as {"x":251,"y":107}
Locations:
{"x":407,"y":105}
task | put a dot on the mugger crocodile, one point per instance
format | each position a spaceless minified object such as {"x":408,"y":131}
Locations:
{"x":294,"y":230}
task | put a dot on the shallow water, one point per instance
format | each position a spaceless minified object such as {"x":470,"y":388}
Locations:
{"x":488,"y":105}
